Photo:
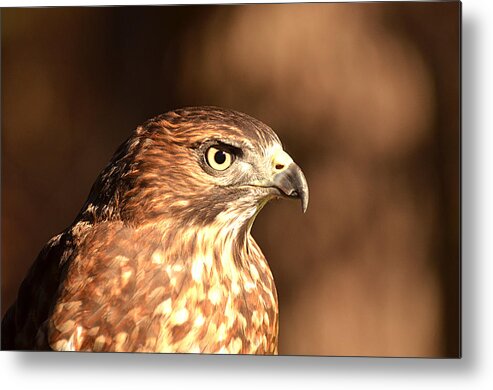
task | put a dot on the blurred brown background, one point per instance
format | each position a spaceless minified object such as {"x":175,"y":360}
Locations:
{"x":364,"y":96}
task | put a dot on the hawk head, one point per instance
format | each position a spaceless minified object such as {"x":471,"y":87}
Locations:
{"x":196,"y":165}
{"x":161,"y":257}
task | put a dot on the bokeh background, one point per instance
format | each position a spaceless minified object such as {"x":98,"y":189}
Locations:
{"x":366,"y":97}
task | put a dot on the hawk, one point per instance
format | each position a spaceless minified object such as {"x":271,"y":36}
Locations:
{"x":160,"y":258}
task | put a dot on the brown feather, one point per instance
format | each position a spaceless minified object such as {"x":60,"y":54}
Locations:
{"x":160,"y":258}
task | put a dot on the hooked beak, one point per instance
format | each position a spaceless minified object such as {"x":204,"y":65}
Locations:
{"x":292,"y":183}
{"x":285,"y":178}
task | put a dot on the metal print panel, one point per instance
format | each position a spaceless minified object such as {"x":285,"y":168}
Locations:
{"x":234,"y":179}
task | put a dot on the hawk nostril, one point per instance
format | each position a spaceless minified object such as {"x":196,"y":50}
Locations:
{"x":279,"y":166}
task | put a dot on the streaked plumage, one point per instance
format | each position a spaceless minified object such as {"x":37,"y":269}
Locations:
{"x":160,"y":258}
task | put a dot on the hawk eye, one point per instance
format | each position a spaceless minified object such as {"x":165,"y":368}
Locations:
{"x":218,"y":159}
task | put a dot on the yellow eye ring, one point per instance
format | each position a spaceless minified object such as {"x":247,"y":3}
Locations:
{"x":218,"y":159}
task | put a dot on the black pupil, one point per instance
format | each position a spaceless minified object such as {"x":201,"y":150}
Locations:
{"x":220,"y":157}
